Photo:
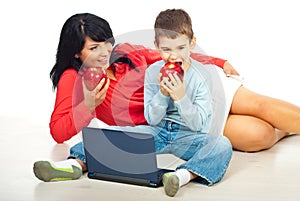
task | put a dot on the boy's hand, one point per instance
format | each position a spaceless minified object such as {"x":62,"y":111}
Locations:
{"x":161,"y":83}
{"x":173,"y":86}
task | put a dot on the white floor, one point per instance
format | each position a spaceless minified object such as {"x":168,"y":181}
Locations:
{"x":271,"y":175}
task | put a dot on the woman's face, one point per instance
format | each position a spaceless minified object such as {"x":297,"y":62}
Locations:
{"x":95,"y":54}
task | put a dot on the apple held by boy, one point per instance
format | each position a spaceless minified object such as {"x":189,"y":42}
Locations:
{"x":92,"y":76}
{"x":171,"y":68}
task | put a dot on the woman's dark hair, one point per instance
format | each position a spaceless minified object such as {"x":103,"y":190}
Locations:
{"x":72,"y":40}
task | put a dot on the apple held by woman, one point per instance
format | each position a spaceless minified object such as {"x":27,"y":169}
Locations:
{"x":92,"y":76}
{"x":171,"y":68}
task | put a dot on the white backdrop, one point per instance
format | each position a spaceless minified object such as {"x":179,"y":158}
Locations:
{"x":261,"y":38}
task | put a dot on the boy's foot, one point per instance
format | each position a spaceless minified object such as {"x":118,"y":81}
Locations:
{"x":171,"y":184}
{"x":46,"y":171}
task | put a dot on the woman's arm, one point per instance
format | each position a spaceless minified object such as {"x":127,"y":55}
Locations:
{"x":222,"y":63}
{"x":135,"y":52}
{"x":204,"y":59}
{"x":70,"y":114}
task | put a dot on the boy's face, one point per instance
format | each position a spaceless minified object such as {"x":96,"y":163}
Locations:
{"x":174,"y":50}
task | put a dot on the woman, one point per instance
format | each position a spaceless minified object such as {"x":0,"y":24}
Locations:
{"x":87,"y":40}
{"x":255,"y":122}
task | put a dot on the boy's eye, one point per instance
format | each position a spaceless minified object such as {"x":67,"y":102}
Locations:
{"x":165,"y":50}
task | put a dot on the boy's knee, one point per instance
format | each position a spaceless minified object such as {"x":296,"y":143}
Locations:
{"x":226,"y":144}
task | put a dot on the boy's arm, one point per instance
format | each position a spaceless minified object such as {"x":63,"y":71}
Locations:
{"x":196,"y":114}
{"x":155,"y":102}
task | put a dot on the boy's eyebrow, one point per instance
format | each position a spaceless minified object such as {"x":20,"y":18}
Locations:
{"x":182,"y":45}
{"x":164,"y":47}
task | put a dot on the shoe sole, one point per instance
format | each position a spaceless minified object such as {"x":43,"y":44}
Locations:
{"x":44,"y":171}
{"x":171,"y":185}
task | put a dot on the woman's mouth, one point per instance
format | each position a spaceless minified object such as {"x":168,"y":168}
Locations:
{"x":103,"y":63}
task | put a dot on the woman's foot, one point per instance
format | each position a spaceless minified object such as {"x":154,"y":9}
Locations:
{"x":48,"y":171}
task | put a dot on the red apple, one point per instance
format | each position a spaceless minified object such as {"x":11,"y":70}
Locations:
{"x":172,"y":67}
{"x":92,"y":76}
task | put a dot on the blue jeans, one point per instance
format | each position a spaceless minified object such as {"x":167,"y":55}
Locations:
{"x":206,"y":155}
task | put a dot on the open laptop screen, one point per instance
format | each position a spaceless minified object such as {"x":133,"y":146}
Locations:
{"x":121,"y":153}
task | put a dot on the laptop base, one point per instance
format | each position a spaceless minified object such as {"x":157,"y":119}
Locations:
{"x":122,"y":179}
{"x":131,"y":180}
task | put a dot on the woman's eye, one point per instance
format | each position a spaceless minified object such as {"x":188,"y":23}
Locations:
{"x":93,"y":48}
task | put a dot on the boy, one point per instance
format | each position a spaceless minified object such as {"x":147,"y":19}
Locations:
{"x":180,"y":110}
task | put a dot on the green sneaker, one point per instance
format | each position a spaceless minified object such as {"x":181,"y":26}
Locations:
{"x":171,"y":184}
{"x":45,"y":171}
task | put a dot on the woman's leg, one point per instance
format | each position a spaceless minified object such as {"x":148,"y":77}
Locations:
{"x":277,"y":113}
{"x":69,"y":169}
{"x":248,"y":133}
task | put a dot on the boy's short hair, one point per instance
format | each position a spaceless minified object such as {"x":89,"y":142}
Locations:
{"x":172,"y":22}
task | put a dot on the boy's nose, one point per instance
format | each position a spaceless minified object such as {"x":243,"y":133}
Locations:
{"x":173,"y":55}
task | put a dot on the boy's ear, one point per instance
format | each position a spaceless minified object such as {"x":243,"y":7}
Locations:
{"x":193,"y":42}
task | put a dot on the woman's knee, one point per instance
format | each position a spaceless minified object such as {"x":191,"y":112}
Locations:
{"x":263,"y":138}
{"x":248,"y":133}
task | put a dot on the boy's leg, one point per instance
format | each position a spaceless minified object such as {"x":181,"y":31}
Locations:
{"x":207,"y":156}
{"x":174,"y":180}
{"x":62,"y":170}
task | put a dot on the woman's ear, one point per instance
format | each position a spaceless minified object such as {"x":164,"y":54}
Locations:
{"x":76,"y":56}
{"x":156,"y":45}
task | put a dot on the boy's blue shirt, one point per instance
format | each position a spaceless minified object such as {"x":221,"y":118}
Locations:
{"x":193,"y":111}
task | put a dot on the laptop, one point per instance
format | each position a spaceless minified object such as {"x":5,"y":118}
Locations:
{"x":121,"y":156}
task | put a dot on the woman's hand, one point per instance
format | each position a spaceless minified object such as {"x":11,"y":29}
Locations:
{"x":229,"y":70}
{"x":95,"y":97}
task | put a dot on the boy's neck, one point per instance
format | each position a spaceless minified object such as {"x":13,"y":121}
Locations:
{"x":187,"y":65}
